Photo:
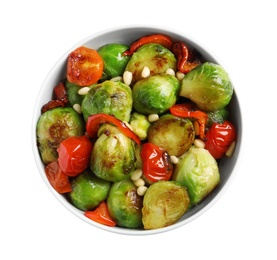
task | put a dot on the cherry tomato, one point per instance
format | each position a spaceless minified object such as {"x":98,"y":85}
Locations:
{"x":156,"y":163}
{"x":84,"y":66}
{"x":219,"y":137}
{"x":74,"y":153}
{"x":57,"y":178}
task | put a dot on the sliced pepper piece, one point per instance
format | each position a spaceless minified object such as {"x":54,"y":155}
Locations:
{"x":188,"y":110}
{"x":94,"y":122}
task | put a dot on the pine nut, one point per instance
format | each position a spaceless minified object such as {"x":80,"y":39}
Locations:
{"x":139,"y":182}
{"x":231,"y":149}
{"x":141,"y":190}
{"x":180,"y":75}
{"x":198,"y":143}
{"x":118,"y":78}
{"x":196,"y":127}
{"x":77,"y":108}
{"x":83,"y":91}
{"x":174,"y":159}
{"x":145,"y":72}
{"x":136,"y":175}
{"x":153,"y":117}
{"x":170,"y":71}
{"x":128,"y":125}
{"x":127,"y":77}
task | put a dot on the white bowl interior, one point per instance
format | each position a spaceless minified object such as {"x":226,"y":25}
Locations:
{"x":127,"y":35}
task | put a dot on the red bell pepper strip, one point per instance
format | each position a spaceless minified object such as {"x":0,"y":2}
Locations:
{"x":187,"y":110}
{"x":101,"y":215}
{"x":153,"y":38}
{"x":94,"y":122}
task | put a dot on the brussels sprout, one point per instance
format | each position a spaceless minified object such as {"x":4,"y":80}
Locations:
{"x":109,"y":97}
{"x":53,"y":127}
{"x":217,"y":116}
{"x":155,"y":94}
{"x":164,"y":204}
{"x":173,"y":134}
{"x":198,"y":171}
{"x":140,"y":125}
{"x":113,"y":156}
{"x":208,"y":86}
{"x":114,"y":61}
{"x":156,"y":57}
{"x":72,"y":93}
{"x":125,"y":204}
{"x":88,"y":191}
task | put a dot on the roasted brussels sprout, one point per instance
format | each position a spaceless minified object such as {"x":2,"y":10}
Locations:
{"x":217,"y":116}
{"x":198,"y":171}
{"x":155,"y":94}
{"x":140,"y":125}
{"x":125,"y":204}
{"x":53,"y":127}
{"x":164,"y":204}
{"x":113,"y":156}
{"x":109,"y":97}
{"x":88,"y":191}
{"x":72,"y":93}
{"x":173,"y":134}
{"x":208,"y":86}
{"x":156,"y":57}
{"x":114,"y":61}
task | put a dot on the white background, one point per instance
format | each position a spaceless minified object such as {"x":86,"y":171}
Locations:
{"x":241,"y":225}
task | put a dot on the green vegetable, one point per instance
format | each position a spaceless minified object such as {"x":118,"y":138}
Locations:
{"x":164,"y":204}
{"x":88,"y":191}
{"x":113,"y":156}
{"x":109,"y":97}
{"x":198,"y":171}
{"x":72,"y":93}
{"x":217,"y":116}
{"x":125,"y":204}
{"x":114,"y":61}
{"x":155,"y":94}
{"x":173,"y":134}
{"x":156,"y":57}
{"x":208,"y":86}
{"x":140,"y":125}
{"x":53,"y":127}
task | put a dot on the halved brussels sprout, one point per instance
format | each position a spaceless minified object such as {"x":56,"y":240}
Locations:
{"x":114,"y":61}
{"x":140,"y":125}
{"x":154,"y":56}
{"x":164,"y":204}
{"x":72,"y":93}
{"x":198,"y":171}
{"x":109,"y":97}
{"x":113,"y":156}
{"x":208,"y":86}
{"x":173,"y":134}
{"x":88,"y":191}
{"x":125,"y":204}
{"x":155,"y":94}
{"x":53,"y":127}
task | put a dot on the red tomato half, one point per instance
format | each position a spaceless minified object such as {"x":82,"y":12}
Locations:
{"x":57,"y":178}
{"x":84,"y":66}
{"x":219,"y":137}
{"x":156,"y":163}
{"x":74,"y":153}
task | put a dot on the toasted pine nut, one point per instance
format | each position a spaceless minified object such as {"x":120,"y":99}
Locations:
{"x":77,"y":108}
{"x":170,"y":71}
{"x":180,"y":75}
{"x":141,"y":190}
{"x":196,"y":127}
{"x":198,"y":143}
{"x":231,"y":149}
{"x":153,"y":117}
{"x":139,"y":182}
{"x":127,"y":77}
{"x":118,"y":78}
{"x":83,"y":91}
{"x":136,"y":175}
{"x":174,"y":159}
{"x":145,"y":72}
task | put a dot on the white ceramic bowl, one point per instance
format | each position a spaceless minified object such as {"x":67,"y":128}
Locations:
{"x":126,"y":35}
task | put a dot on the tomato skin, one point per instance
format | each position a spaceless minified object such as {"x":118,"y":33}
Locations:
{"x":58,"y":180}
{"x":219,"y":137}
{"x":74,"y":153}
{"x":84,"y":66}
{"x":156,"y":163}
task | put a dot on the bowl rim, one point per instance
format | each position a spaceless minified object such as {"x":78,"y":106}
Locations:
{"x":75,"y":211}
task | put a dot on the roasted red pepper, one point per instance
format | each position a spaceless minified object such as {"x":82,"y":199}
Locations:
{"x":156,"y":163}
{"x":154,"y":38}
{"x":188,"y":110}
{"x":94,"y":122}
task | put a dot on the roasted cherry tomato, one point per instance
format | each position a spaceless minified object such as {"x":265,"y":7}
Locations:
{"x":58,"y":180}
{"x":74,"y":153}
{"x":84,"y":66}
{"x":219,"y":137}
{"x":156,"y":163}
